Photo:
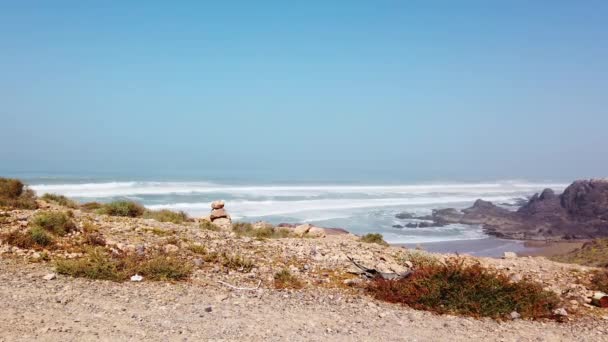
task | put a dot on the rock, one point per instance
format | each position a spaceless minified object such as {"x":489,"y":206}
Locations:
{"x":516,"y":277}
{"x":316,"y":232}
{"x":509,"y":255}
{"x":404,"y":216}
{"x":223,"y":223}
{"x":302,"y":229}
{"x":353,"y":281}
{"x":560,"y":312}
{"x":515,"y":315}
{"x":397,"y":226}
{"x":50,"y":276}
{"x":169,"y":248}
{"x":209,"y":309}
{"x":198,"y":262}
{"x":217,"y":214}
{"x":217,"y":204}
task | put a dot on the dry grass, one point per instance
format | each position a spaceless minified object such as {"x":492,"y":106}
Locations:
{"x":374,"y":238}
{"x":91,"y":206}
{"x":206,"y":225}
{"x":160,"y":232}
{"x":236,"y":262}
{"x":165,"y":215}
{"x":57,"y":222}
{"x":14,"y":195}
{"x":599,"y":281}
{"x":471,"y":290}
{"x":197,"y":249}
{"x":99,"y":264}
{"x":247,"y":229}
{"x":33,"y":238}
{"x":122,"y":208}
{"x":285,"y":280}
{"x":61,"y":200}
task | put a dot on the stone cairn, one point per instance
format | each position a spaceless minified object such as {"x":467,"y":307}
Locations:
{"x":219,"y":216}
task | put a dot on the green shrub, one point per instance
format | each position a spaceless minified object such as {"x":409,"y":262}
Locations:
{"x":56,"y":222}
{"x":471,"y":290}
{"x":374,"y":238}
{"x":91,"y":206}
{"x":206,"y":225}
{"x":14,"y":195}
{"x":99,"y":264}
{"x":123,"y":208}
{"x":285,"y":280}
{"x":40,"y":236}
{"x":165,"y":215}
{"x":61,"y":200}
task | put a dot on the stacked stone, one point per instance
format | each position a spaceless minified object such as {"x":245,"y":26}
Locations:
{"x":219,"y":216}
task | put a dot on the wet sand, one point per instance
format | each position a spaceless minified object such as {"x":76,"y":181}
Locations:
{"x":494,"y":247}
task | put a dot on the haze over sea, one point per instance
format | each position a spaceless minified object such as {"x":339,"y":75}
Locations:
{"x":360,"y":207}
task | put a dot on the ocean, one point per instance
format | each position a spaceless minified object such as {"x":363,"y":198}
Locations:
{"x":359,"y":208}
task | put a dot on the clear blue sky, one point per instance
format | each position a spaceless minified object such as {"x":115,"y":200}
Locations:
{"x":398,"y":90}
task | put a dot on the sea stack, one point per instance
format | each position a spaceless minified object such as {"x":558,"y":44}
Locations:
{"x":219,"y":216}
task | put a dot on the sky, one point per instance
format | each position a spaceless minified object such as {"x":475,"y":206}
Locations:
{"x":324,"y":90}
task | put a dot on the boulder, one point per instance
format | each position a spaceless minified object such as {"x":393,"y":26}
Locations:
{"x":302,"y":229}
{"x":223,"y":223}
{"x":316,"y":232}
{"x":218,"y":213}
{"x":217,"y":204}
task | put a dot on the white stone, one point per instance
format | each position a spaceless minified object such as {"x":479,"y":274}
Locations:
{"x":50,"y":276}
{"x":137,"y":278}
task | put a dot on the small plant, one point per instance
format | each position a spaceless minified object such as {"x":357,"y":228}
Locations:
{"x":99,"y":264}
{"x":91,"y":206}
{"x":206,"y":225}
{"x":123,"y":208}
{"x":247,"y":229}
{"x":35,"y":238}
{"x":57,"y":222}
{"x":599,"y":281}
{"x":160,"y":232}
{"x":470,"y":290}
{"x":165,"y":215}
{"x":237,"y":262}
{"x":13,"y":194}
{"x":419,"y":258}
{"x":374,"y":238}
{"x":40,"y":236}
{"x":61,"y":200}
{"x":285,"y":280}
{"x":197,"y":249}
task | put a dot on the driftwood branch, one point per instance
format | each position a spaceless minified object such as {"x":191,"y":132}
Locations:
{"x":240,"y":288}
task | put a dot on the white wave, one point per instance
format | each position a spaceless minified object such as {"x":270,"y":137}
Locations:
{"x":113,"y":189}
{"x":440,"y":234}
{"x":241,"y":208}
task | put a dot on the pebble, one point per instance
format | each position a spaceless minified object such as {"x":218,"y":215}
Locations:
{"x":50,"y":276}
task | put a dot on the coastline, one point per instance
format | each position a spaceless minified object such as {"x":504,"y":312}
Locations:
{"x":495,"y":247}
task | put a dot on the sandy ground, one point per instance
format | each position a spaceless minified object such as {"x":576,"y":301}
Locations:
{"x":66,"y":309}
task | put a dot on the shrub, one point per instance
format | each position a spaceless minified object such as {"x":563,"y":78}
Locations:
{"x":599,"y":281}
{"x":14,"y":195}
{"x":206,"y":225}
{"x":247,"y":229}
{"x":35,"y":238}
{"x":374,"y":238}
{"x":61,"y":200}
{"x":56,"y":222}
{"x":197,"y":249}
{"x":40,"y":236}
{"x":285,"y":280}
{"x":123,"y":208}
{"x":165,"y":215}
{"x":91,"y":206}
{"x":237,"y":262}
{"x":98,"y":264}
{"x":419,"y":258}
{"x":471,"y":290}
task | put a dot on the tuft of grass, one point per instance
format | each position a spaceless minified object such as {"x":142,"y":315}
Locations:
{"x":160,"y":232}
{"x":61,"y":200}
{"x":14,"y":195}
{"x":247,"y":229}
{"x":236,"y":262}
{"x":34,"y":237}
{"x":599,"y":281}
{"x":99,"y":264}
{"x":285,"y":280}
{"x":165,"y":215}
{"x":122,"y":208}
{"x":374,"y":238}
{"x":593,"y":253}
{"x":419,"y":258}
{"x":206,"y":225}
{"x":470,"y":290}
{"x":197,"y":249}
{"x":91,"y":206}
{"x":57,"y":222}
